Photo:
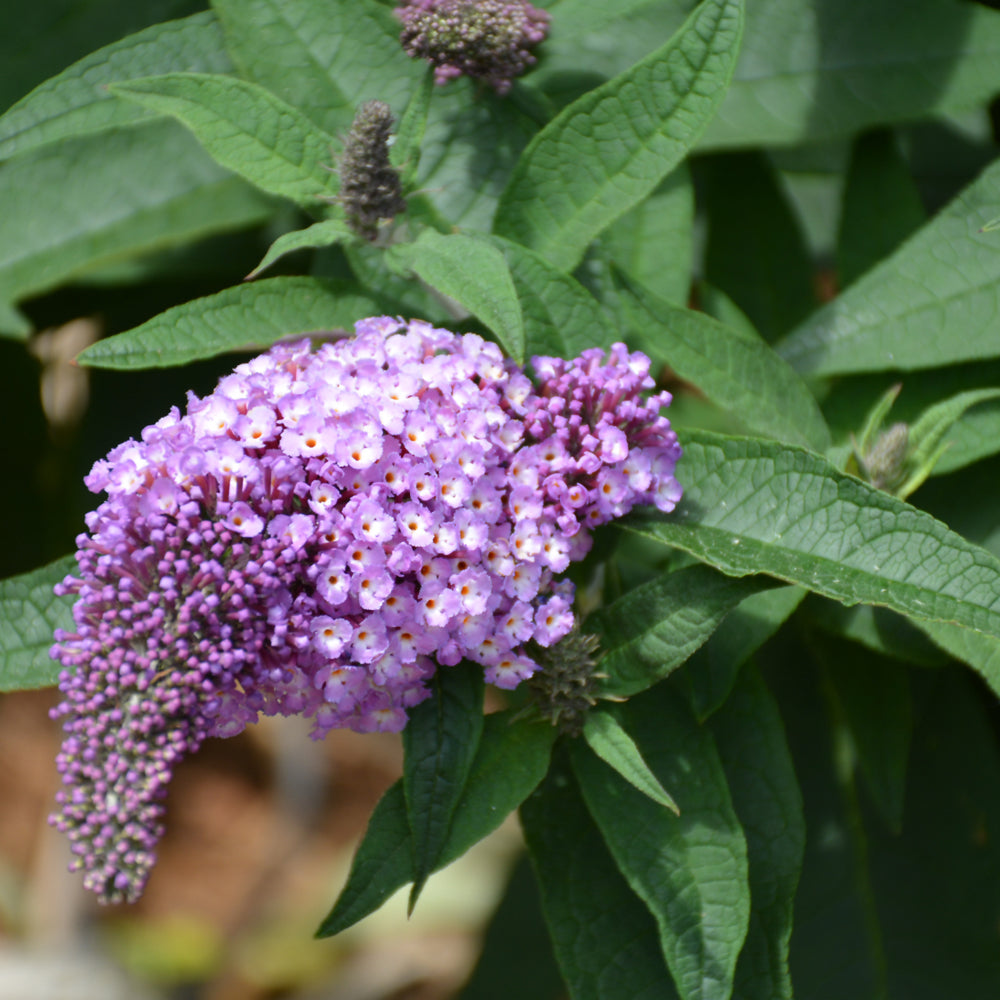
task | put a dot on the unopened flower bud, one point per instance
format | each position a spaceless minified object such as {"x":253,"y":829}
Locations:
{"x":885,"y":461}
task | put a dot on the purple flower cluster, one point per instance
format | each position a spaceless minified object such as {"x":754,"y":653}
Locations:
{"x":489,"y":40}
{"x":317,"y":537}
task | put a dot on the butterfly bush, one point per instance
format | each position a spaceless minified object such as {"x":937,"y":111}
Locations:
{"x":317,"y":537}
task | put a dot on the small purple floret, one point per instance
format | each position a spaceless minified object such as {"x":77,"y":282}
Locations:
{"x":317,"y":537}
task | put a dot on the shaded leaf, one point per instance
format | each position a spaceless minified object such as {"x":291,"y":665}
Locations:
{"x":654,"y":628}
{"x":611,"y":148}
{"x":712,"y":670}
{"x":605,"y":940}
{"x":758,"y":764}
{"x":561,"y":317}
{"x":882,"y":205}
{"x":756,"y":251}
{"x":247,"y":316}
{"x":439,"y":742}
{"x":739,"y":373}
{"x":606,"y":737}
{"x":120,"y":194}
{"x":691,"y":869}
{"x":29,"y":615}
{"x":324,"y":59}
{"x":512,"y":758}
{"x":817,"y":69}
{"x":474,"y":274}
{"x":320,"y":234}
{"x":933,"y":302}
{"x":77,"y":101}
{"x":980,"y":652}
{"x":246,"y":129}
{"x":751,"y":506}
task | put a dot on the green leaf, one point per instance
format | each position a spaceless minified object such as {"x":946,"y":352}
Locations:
{"x":765,"y":792}
{"x":654,"y":628}
{"x":882,"y":206}
{"x":816,"y":69}
{"x":324,"y":59}
{"x":756,"y":251}
{"x":751,"y":506}
{"x":406,"y":295}
{"x":319,"y":234}
{"x":439,"y":742}
{"x":712,"y":670}
{"x":77,"y":102}
{"x":120,"y":194}
{"x":470,"y":147}
{"x":605,"y":940}
{"x":606,"y":737}
{"x":240,"y":318}
{"x":611,"y":148}
{"x":980,"y":652}
{"x":878,"y":629}
{"x":246,"y":129}
{"x":29,"y":615}
{"x":933,"y":302}
{"x":13,"y":323}
{"x":474,"y":274}
{"x":928,"y":434}
{"x":691,"y":869}
{"x":512,"y":758}
{"x":872,"y":694}
{"x":653,"y":243}
{"x":410,"y":131}
{"x":739,"y":373}
{"x":39,"y":40}
{"x":561,"y":318}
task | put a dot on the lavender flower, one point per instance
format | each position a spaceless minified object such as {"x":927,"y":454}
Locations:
{"x":321,"y":534}
{"x":487,"y":40}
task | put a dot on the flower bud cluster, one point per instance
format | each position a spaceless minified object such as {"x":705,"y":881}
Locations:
{"x":317,"y":537}
{"x":489,"y":40}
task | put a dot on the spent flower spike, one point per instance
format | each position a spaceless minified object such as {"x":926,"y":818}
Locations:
{"x":488,"y":40}
{"x":320,"y":535}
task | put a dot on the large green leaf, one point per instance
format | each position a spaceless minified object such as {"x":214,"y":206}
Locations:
{"x":654,"y":628}
{"x":29,"y":614}
{"x":653,"y":243}
{"x":561,"y":317}
{"x":39,"y":40}
{"x":246,"y":129}
{"x":240,"y":318}
{"x":881,"y":206}
{"x":816,"y":69}
{"x":324,"y":59}
{"x":712,"y":670}
{"x":474,"y":274}
{"x":739,"y":373}
{"x":511,"y":760}
{"x":758,"y":765}
{"x":439,"y":742}
{"x":691,"y":869}
{"x":611,"y":148}
{"x":604,"y":938}
{"x":933,"y":302}
{"x":120,"y":194}
{"x":470,"y":147}
{"x":751,"y":506}
{"x":756,"y":252}
{"x":77,"y":102}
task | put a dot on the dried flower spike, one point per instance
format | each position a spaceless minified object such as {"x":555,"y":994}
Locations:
{"x":488,"y":40}
{"x":370,"y":188}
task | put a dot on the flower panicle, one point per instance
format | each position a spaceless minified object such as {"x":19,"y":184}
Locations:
{"x":317,"y":537}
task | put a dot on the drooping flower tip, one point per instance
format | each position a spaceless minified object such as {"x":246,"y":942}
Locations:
{"x":488,"y":40}
{"x":317,"y":537}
